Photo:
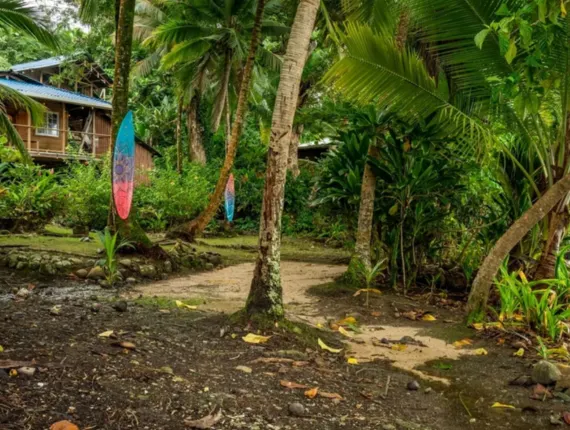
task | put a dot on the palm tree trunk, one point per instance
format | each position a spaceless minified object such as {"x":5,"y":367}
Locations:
{"x":179,"y":137}
{"x":293,"y":160}
{"x":190,"y":230}
{"x":222,"y":95}
{"x":128,"y":229}
{"x":365,"y":213}
{"x":196,"y":152}
{"x":266,"y":294}
{"x":483,"y":281}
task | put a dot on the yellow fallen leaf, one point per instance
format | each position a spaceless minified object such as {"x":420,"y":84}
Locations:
{"x":399,"y":347}
{"x":1,"y":348}
{"x":429,"y":317}
{"x":347,"y":320}
{"x":13,"y":372}
{"x":312,"y":393}
{"x":178,"y":379}
{"x":319,"y":325}
{"x":461,"y":343}
{"x":328,"y":348}
{"x":352,"y":360}
{"x":234,"y":335}
{"x":519,"y":353}
{"x":344,"y":332}
{"x":481,"y":351}
{"x":255,"y":338}
{"x":106,"y":333}
{"x":477,"y":326}
{"x":502,"y":406}
{"x":184,"y":305}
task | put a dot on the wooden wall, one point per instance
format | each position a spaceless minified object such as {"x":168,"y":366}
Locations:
{"x":103,"y":128}
{"x":143,"y":163}
{"x":43,"y":143}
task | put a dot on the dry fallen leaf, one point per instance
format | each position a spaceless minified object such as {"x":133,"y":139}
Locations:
{"x":347,"y":321}
{"x":399,"y":347}
{"x":566,"y":417}
{"x":344,"y":332}
{"x":332,"y":396}
{"x":206,"y":422}
{"x":481,"y":351}
{"x":367,"y":290}
{"x":292,"y":385}
{"x":244,"y":369}
{"x":501,"y":341}
{"x":255,"y":338}
{"x":478,"y":326}
{"x":328,"y":348}
{"x":375,"y":314}
{"x":63,"y":425}
{"x":184,"y":305}
{"x":312,"y":393}
{"x":519,"y":353}
{"x":352,"y":360}
{"x":106,"y":333}
{"x":429,"y":317}
{"x":461,"y":343}
{"x":498,"y":405}
{"x":127,"y":345}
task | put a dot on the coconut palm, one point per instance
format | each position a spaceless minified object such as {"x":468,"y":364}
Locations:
{"x":16,"y":15}
{"x":476,"y":58}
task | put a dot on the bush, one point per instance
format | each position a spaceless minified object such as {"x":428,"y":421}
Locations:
{"x":30,"y":197}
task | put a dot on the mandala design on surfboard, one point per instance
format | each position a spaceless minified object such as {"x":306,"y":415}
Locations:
{"x":230,"y":198}
{"x":124,"y":167}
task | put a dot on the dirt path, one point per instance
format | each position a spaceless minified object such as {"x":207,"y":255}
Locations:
{"x":226,"y":290}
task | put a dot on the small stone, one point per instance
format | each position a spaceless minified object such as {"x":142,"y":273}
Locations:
{"x":96,"y":273}
{"x":103,"y":283}
{"x":208,"y":266}
{"x":23,"y":293}
{"x":56,"y":310}
{"x":147,"y":270}
{"x":413,"y":385}
{"x":27,"y":371}
{"x":131,"y":280}
{"x":522,"y":381}
{"x":244,"y":369}
{"x":545,"y":373}
{"x":95,"y":307}
{"x":555,"y":421}
{"x":121,"y":306}
{"x":428,"y":390}
{"x":82,"y":273}
{"x":297,"y":409}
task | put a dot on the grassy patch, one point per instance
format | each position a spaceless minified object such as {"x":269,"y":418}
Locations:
{"x":71,"y":245}
{"x":165,"y":302}
{"x":333,"y":289}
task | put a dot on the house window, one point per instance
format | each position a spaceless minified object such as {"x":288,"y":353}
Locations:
{"x":51,"y":125}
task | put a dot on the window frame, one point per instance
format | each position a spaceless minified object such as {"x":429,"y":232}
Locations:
{"x":46,"y":121}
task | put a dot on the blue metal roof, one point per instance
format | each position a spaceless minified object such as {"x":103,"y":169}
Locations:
{"x":47,"y":92}
{"x":40,"y":64}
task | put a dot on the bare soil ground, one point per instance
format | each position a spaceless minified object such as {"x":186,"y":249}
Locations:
{"x":182,"y":362}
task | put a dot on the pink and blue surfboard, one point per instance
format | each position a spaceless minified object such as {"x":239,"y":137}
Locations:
{"x":230,"y":198}
{"x":124,"y":167}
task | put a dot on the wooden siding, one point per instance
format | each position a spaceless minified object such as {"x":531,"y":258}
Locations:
{"x":144,"y":163}
{"x":103,"y":129}
{"x":35,"y":142}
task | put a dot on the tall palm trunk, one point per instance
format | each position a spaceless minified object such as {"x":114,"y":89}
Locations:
{"x":190,"y":230}
{"x":483,"y":281}
{"x":179,"y":137}
{"x":196,"y":152}
{"x":556,"y":231}
{"x":293,"y":160}
{"x":222,"y":96}
{"x":128,"y":229}
{"x":365,"y":213}
{"x":266,"y":294}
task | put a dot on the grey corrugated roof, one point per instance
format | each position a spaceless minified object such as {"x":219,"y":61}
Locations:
{"x":47,"y":92}
{"x":40,"y":64}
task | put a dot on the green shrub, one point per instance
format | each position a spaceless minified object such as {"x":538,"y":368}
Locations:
{"x":30,"y":198}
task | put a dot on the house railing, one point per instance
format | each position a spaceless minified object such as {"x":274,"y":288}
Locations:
{"x":69,"y":142}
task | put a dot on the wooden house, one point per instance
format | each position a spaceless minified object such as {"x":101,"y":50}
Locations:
{"x":77,"y":123}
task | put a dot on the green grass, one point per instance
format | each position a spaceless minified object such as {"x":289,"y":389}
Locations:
{"x":333,"y":289}
{"x":166,"y":302}
{"x":71,"y":245}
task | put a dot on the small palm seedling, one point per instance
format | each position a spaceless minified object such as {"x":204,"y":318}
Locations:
{"x":368,"y":275}
{"x":110,"y":246}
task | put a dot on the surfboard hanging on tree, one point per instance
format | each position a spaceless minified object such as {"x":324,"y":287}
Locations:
{"x":124,"y":167}
{"x":230,"y":198}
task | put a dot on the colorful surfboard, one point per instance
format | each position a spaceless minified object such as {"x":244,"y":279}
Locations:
{"x":124,"y":167}
{"x":230,"y":198}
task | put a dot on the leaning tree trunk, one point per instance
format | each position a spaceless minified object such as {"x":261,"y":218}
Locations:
{"x":365,"y":214}
{"x":556,"y":231}
{"x":179,"y":137}
{"x":190,"y":230}
{"x":222,"y":96}
{"x":483,"y":281}
{"x":196,"y":152}
{"x":128,"y":229}
{"x":266,"y":294}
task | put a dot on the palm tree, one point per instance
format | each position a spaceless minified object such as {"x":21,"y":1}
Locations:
{"x":15,"y":15}
{"x":266,"y":294}
{"x":474,"y":59}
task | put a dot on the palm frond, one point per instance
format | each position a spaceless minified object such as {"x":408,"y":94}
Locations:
{"x":381,"y":14}
{"x":374,"y":70}
{"x":14,"y":14}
